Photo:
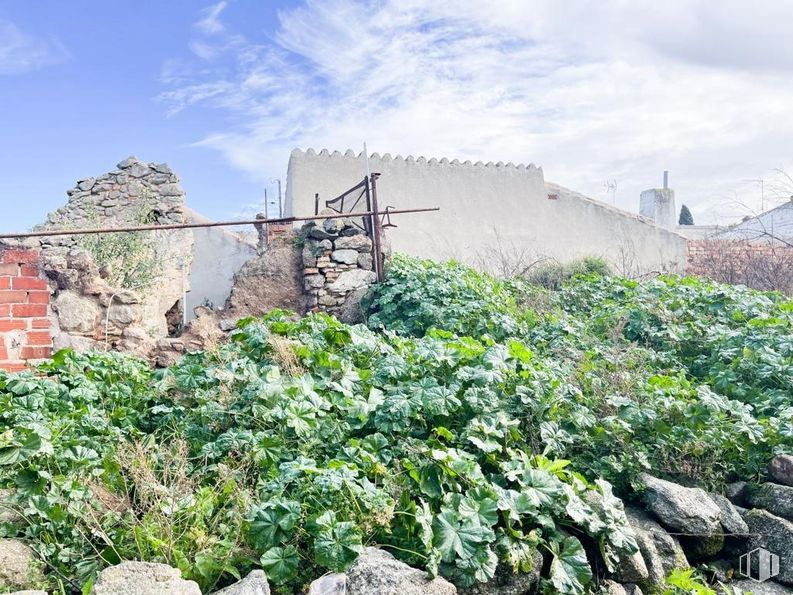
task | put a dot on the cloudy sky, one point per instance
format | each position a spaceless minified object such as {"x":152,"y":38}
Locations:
{"x":603,"y":95}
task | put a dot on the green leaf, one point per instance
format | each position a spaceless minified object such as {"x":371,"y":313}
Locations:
{"x":281,"y":564}
{"x":457,"y":537}
{"x":337,"y":545}
{"x":570,"y":572}
{"x":273,"y":522}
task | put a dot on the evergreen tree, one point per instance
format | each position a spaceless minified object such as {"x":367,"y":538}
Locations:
{"x":686,"y":218}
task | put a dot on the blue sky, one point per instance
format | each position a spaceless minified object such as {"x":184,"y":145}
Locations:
{"x":594,"y":92}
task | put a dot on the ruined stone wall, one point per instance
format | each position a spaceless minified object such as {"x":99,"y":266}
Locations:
{"x":24,"y":327}
{"x":135,"y":193}
{"x":338,"y":267}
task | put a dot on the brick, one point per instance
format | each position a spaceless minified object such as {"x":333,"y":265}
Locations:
{"x":37,"y":338}
{"x":13,"y":366}
{"x":13,"y":297}
{"x":36,"y":352}
{"x":29,"y":310}
{"x":11,"y":270}
{"x":29,"y":283}
{"x":3,"y":352}
{"x":29,"y":270}
{"x":13,"y":324}
{"x":5,"y":310}
{"x":38,"y":297}
{"x":38,"y":323}
{"x":5,"y":282}
{"x":20,"y":257}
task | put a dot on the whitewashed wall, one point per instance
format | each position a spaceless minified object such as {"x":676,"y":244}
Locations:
{"x":484,"y":206}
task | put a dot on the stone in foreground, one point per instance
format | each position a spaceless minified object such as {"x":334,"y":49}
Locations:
{"x":776,"y":499}
{"x":143,"y":578}
{"x":330,"y":584}
{"x":507,"y":582}
{"x":19,"y":566}
{"x":376,"y":571}
{"x":253,"y":584}
{"x":661,"y":552}
{"x":774,"y":534}
{"x":781,"y":469}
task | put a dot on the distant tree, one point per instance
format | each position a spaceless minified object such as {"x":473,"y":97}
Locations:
{"x":686,"y":218}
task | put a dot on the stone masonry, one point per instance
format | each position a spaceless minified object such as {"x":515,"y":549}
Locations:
{"x":338,"y":267}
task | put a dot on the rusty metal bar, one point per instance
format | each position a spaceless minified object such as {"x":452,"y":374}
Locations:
{"x":378,"y":248}
{"x":79,"y":232}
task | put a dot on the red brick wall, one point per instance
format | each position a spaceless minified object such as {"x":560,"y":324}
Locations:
{"x":24,"y":296}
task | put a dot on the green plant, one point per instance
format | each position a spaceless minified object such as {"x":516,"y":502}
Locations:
{"x":131,"y":259}
{"x":553,"y":275}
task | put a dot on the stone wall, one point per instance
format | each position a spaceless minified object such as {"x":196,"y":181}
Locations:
{"x":24,"y":295}
{"x":486,"y":207}
{"x":135,"y":193}
{"x":338,"y":267}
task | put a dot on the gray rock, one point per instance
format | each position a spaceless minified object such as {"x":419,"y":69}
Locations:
{"x":170,"y":190}
{"x":330,"y":584}
{"x":253,"y":584}
{"x":731,"y":520}
{"x":682,"y":509}
{"x":19,"y":566}
{"x":365,"y":261}
{"x":123,"y":315}
{"x":774,"y":498}
{"x":612,"y":588}
{"x":376,"y":571}
{"x":86,"y":185}
{"x":319,"y":233}
{"x":309,"y":255}
{"x":506,"y":582}
{"x":76,"y":313}
{"x":661,"y":552}
{"x":774,"y":534}
{"x":359,"y":242}
{"x":351,"y":311}
{"x":781,"y":469}
{"x":736,"y":492}
{"x":345,"y":256}
{"x":9,"y":513}
{"x":352,"y":230}
{"x":632,"y":589}
{"x":128,"y":162}
{"x":352,"y":280}
{"x":138,"y":170}
{"x":313,"y":281}
{"x":28,"y":592}
{"x":755,"y":588}
{"x":336,"y":225}
{"x":161,"y":168}
{"x":143,"y":578}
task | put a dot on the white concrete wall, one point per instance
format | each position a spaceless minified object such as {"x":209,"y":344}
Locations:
{"x":483,"y":207}
{"x":774,"y":226}
{"x":217,"y":255}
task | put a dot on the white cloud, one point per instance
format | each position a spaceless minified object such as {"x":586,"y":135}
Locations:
{"x":591,"y":91}
{"x":210,"y":18}
{"x":21,"y":53}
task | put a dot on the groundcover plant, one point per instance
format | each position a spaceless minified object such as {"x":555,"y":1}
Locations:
{"x":473,"y":423}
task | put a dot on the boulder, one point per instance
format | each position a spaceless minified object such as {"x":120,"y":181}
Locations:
{"x":679,"y":508}
{"x":781,"y":469}
{"x":352,"y":280}
{"x":774,"y":498}
{"x":365,"y":261}
{"x":731,"y":520}
{"x":19,"y":566}
{"x":351,"y":311}
{"x":253,"y":584}
{"x":507,"y":582}
{"x":320,"y":234}
{"x":28,"y":592}
{"x":660,"y":551}
{"x":330,"y":584}
{"x":359,"y":242}
{"x":377,"y":571}
{"x":345,"y":256}
{"x":755,"y":588}
{"x":336,"y":225}
{"x":686,"y":510}
{"x":143,"y":578}
{"x":774,"y":534}
{"x":631,"y":589}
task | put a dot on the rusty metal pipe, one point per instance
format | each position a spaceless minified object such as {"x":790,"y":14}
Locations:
{"x":79,"y":232}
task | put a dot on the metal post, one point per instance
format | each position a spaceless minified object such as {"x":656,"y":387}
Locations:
{"x":378,"y":251}
{"x":666,"y":179}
